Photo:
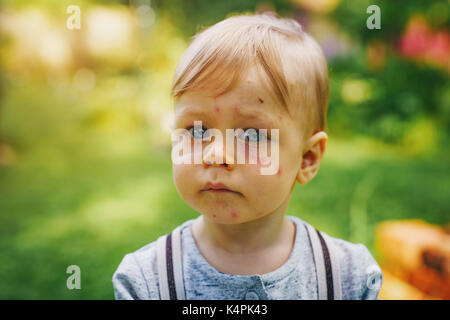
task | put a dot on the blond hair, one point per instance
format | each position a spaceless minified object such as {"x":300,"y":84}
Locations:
{"x":294,"y":64}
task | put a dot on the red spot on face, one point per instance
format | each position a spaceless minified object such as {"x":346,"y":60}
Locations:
{"x":279,"y":171}
{"x":259,"y":214}
{"x":236,"y":107}
{"x":214,"y":215}
{"x":234,"y":214}
{"x":216,"y":107}
{"x":262,"y":161}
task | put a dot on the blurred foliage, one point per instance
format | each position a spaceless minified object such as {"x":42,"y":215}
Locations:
{"x":85,"y":170}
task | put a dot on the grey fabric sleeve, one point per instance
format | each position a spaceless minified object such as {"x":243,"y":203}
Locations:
{"x":361,"y":276}
{"x":128,"y":281}
{"x":371,"y":275}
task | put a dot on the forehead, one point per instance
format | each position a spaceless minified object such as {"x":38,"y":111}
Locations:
{"x":249,"y":96}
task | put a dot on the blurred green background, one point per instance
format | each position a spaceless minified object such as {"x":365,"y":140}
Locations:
{"x":85,"y":167}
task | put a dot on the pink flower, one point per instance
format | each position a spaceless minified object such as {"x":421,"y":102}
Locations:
{"x":421,"y":43}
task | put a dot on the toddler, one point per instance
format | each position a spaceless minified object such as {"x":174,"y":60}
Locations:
{"x":266,"y":80}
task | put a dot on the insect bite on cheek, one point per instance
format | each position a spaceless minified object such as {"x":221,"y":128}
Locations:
{"x":263,"y":161}
{"x":234,"y":214}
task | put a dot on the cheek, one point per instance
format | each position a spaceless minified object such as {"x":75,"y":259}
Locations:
{"x":265,"y":193}
{"x":265,"y":162}
{"x":265,"y":190}
{"x":260,"y":184}
{"x":183,"y":177}
{"x":183,"y":151}
{"x":253,"y":158}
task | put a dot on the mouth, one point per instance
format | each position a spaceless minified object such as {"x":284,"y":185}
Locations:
{"x":218,"y":188}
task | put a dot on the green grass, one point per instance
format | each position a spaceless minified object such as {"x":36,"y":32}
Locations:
{"x":64,"y":207}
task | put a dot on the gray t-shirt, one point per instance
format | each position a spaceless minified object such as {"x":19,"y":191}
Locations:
{"x":361,"y":277}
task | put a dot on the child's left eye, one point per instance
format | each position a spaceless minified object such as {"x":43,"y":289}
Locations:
{"x":253,"y":135}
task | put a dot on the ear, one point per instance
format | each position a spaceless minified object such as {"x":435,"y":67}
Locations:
{"x":312,"y":157}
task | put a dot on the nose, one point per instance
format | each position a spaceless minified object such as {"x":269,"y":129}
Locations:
{"x":218,"y":154}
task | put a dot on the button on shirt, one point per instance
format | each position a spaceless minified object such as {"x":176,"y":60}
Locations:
{"x":251,"y":295}
{"x":137,"y":276}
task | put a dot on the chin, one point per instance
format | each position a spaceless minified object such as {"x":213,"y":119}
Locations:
{"x":226,"y":219}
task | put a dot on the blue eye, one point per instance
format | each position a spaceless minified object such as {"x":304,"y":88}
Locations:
{"x":197,"y":132}
{"x":253,"y":135}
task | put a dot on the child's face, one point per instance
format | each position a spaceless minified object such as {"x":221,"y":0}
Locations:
{"x":247,"y":105}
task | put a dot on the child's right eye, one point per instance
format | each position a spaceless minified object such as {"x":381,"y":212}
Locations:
{"x":197,"y":132}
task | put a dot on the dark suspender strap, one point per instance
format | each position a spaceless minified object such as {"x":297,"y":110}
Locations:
{"x":170,"y":268}
{"x":326,"y":263}
{"x":328,"y":272}
{"x":169,"y":262}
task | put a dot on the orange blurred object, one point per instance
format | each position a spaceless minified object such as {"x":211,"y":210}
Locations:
{"x":414,"y":253}
{"x":394,"y":288}
{"x":376,"y":55}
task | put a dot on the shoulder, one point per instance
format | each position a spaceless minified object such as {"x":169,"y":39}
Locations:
{"x":361,"y":276}
{"x":136,"y":276}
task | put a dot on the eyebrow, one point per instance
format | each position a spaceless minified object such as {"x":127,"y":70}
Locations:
{"x":257,"y":116}
{"x":248,"y":115}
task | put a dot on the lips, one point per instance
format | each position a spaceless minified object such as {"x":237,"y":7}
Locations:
{"x":217,"y":188}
